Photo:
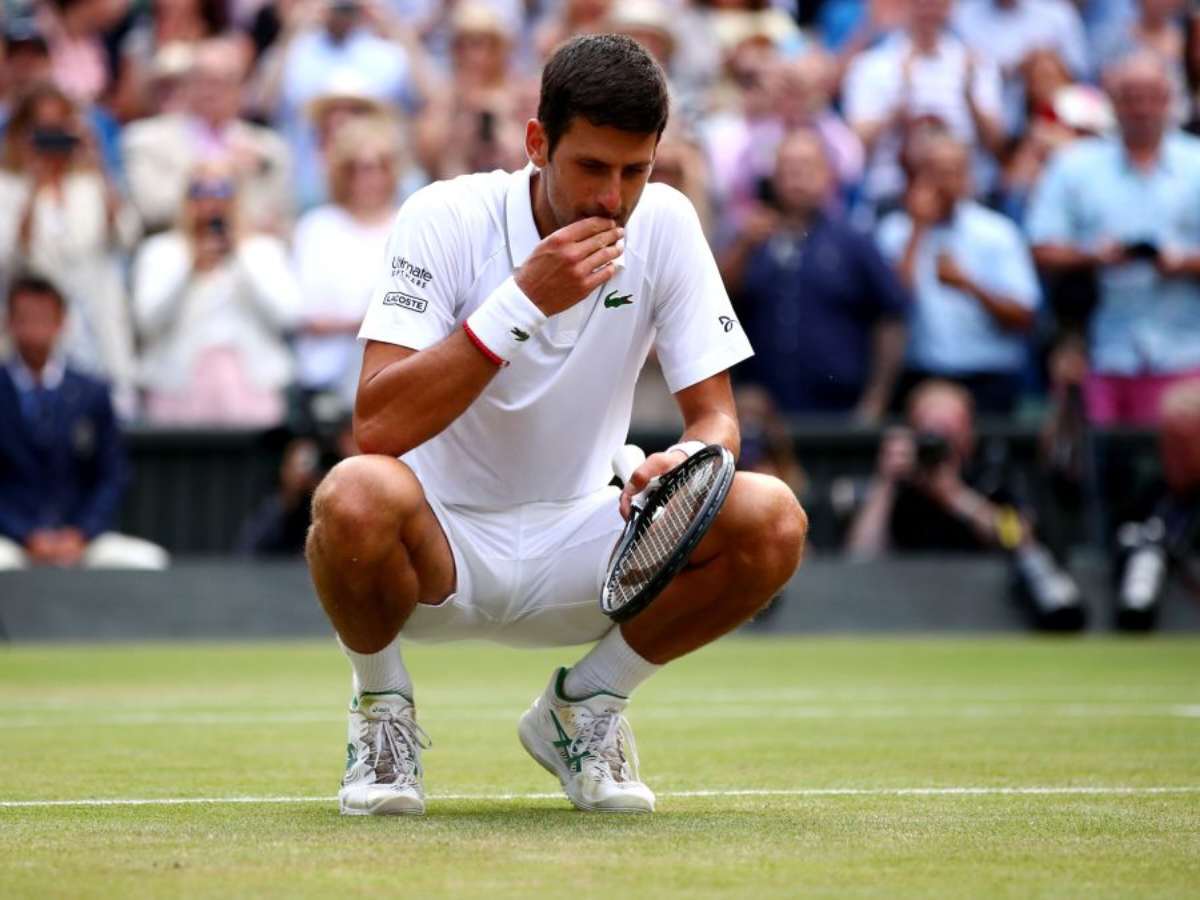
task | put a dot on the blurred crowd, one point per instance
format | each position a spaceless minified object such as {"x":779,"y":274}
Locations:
{"x":1002,"y":196}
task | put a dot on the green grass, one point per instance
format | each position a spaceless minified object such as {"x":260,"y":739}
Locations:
{"x":265,"y":720}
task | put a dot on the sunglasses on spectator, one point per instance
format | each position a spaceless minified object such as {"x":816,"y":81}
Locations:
{"x":211,"y":190}
{"x":366,"y":165}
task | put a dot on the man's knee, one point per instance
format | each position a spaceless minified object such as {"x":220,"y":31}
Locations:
{"x":768,"y":526}
{"x":363,"y":502}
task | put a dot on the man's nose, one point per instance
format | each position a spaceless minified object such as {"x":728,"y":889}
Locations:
{"x":610,"y":197}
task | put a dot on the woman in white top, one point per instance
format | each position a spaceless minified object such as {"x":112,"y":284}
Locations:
{"x":337,"y":249}
{"x":60,"y":217}
{"x":214,"y":306}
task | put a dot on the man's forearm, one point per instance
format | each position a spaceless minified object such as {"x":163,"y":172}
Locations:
{"x":715,"y":427}
{"x":1008,"y":314}
{"x":887,"y":354}
{"x":411,"y":400}
{"x":1062,"y":257}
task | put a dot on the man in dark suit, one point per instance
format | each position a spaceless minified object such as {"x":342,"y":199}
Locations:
{"x":62,"y":466}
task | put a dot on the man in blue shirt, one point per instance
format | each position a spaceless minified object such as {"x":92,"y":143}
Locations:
{"x":1127,"y":208}
{"x":62,"y":466}
{"x":972,"y":279}
{"x":821,"y":307}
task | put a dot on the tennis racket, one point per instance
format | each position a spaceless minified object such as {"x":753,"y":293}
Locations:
{"x":666,"y":522}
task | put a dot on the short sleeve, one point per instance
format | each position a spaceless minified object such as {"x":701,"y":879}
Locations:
{"x":413,"y":302}
{"x":697,"y":333}
{"x":891,"y":236}
{"x":1012,"y":274}
{"x":1048,"y":218}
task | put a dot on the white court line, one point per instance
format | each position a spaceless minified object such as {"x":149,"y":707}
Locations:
{"x":1082,"y":790}
{"x":836,"y":712}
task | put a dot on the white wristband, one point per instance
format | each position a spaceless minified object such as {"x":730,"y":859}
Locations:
{"x":504,"y":323}
{"x":688,"y":448}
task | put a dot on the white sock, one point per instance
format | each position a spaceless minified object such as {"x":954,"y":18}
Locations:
{"x":611,"y":667}
{"x":381,"y":672}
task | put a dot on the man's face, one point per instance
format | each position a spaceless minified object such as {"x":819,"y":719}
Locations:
{"x":215,"y":84}
{"x":35,"y":321}
{"x":802,"y":176}
{"x":929,"y":15}
{"x":948,"y":168}
{"x":595,"y":170}
{"x":1142,"y":101}
{"x":945,"y":415}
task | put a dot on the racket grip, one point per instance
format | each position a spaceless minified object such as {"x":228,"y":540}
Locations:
{"x":626,"y":461}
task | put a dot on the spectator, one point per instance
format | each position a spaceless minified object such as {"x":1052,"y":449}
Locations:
{"x":62,"y":466}
{"x":75,"y":29}
{"x":803,"y":94}
{"x":163,"y":24}
{"x":1192,"y":63}
{"x":161,"y":152}
{"x":1155,"y":26}
{"x":971,"y":277}
{"x":337,"y":250}
{"x":679,"y":161}
{"x":472,"y":126}
{"x":214,"y":302}
{"x":823,"y":310}
{"x":1125,"y":208}
{"x":279,"y":525}
{"x":571,"y":17}
{"x":1056,"y":113}
{"x":60,"y":215}
{"x":1008,"y":31}
{"x":26,"y":65}
{"x":926,"y":497}
{"x":1147,"y":550}
{"x":337,"y":46}
{"x":922,"y":72}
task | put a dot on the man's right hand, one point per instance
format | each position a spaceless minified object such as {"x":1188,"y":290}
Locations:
{"x":897,"y":456}
{"x":571,"y":263}
{"x":42,"y":546}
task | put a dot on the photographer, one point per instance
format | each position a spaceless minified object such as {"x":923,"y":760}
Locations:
{"x":213,"y":305}
{"x":61,"y":216}
{"x":924,"y":497}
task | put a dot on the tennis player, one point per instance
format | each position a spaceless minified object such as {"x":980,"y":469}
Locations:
{"x":502,"y":347}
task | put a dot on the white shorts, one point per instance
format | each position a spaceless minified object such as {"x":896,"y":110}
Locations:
{"x":527,"y":576}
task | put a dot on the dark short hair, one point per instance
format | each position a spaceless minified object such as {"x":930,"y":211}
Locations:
{"x":610,"y":80}
{"x":32,"y":283}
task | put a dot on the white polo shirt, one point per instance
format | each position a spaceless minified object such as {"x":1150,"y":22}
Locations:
{"x":546,"y":427}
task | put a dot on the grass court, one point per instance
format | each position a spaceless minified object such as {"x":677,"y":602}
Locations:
{"x":784,"y":767}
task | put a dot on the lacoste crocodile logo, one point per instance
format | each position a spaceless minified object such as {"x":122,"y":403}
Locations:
{"x":612,"y":301}
{"x":519,"y":335}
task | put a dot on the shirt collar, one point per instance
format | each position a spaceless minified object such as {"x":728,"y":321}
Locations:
{"x":52,"y":373}
{"x":1162,"y":162}
{"x":519,"y":223}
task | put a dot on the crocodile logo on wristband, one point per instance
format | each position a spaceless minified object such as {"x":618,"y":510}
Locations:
{"x":519,"y":335}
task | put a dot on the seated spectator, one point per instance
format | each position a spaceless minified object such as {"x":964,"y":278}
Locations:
{"x":159,"y":25}
{"x":825,"y":313}
{"x":1192,"y":63}
{"x":359,"y":44}
{"x":472,"y":127}
{"x":1124,"y":210}
{"x":279,"y":525}
{"x":926,"y":496}
{"x":922,"y":72}
{"x":161,"y":152}
{"x":214,"y":302}
{"x":62,"y":466}
{"x":60,"y":215}
{"x":337,"y":251}
{"x":972,"y":280}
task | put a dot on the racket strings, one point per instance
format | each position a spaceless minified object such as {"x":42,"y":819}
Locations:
{"x":670,"y":517}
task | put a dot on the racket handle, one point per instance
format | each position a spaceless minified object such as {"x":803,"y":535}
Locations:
{"x":626,"y":461}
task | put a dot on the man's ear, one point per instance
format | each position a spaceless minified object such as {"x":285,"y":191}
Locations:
{"x":537,"y":146}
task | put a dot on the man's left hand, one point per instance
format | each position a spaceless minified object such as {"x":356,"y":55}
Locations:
{"x":70,"y":546}
{"x":655,"y":466}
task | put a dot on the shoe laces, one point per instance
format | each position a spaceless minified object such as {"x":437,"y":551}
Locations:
{"x":606,"y":738}
{"x":397,"y":741}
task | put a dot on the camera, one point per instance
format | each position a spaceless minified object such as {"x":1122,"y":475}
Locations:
{"x":54,"y":141}
{"x":932,"y":450}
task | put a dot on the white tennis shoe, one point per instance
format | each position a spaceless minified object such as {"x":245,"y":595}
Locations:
{"x":383,"y":758}
{"x":588,"y":745}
